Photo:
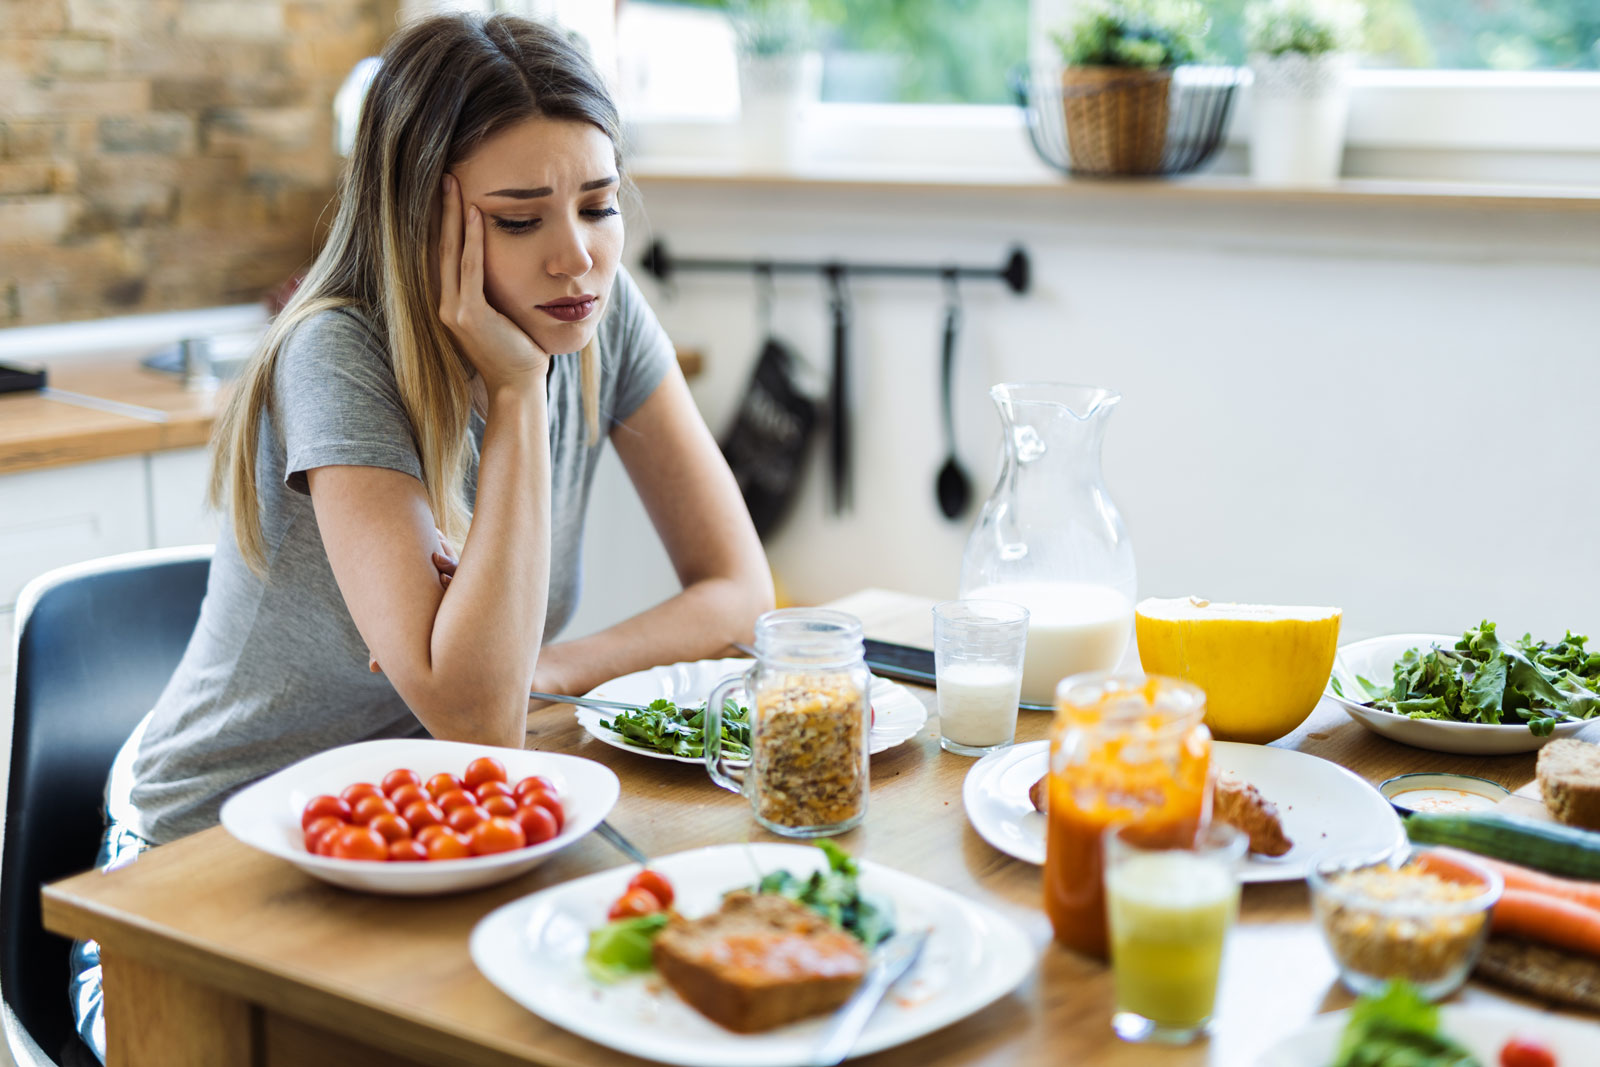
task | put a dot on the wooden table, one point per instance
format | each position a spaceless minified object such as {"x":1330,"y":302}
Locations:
{"x":217,"y":954}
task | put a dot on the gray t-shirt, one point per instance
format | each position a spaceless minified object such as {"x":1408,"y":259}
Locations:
{"x":276,"y":670}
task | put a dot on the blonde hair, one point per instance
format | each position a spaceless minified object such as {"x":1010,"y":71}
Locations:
{"x":446,"y":84}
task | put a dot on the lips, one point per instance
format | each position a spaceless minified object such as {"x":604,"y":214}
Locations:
{"x":570,"y":308}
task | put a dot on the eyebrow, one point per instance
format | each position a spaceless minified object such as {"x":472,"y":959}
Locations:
{"x":545,"y":190}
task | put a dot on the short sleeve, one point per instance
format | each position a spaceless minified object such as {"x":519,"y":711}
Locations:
{"x":335,"y":401}
{"x":635,"y":351}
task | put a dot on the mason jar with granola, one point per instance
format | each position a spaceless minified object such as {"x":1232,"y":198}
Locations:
{"x":809,"y":722}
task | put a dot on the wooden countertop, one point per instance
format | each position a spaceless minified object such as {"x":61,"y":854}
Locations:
{"x":108,"y":406}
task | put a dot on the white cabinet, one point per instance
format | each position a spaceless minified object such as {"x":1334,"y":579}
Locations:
{"x":61,"y":515}
{"x":178,"y":512}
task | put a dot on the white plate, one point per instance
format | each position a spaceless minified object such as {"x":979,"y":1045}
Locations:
{"x":1481,"y":1030}
{"x":1321,"y":804}
{"x":898,"y":715}
{"x":1374,"y":660}
{"x":532,"y":949}
{"x":266,"y":815}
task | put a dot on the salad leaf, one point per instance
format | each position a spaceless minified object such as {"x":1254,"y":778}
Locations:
{"x":623,"y":947}
{"x":1483,"y":679}
{"x":1398,"y":1028}
{"x":835,"y":894}
{"x":662,"y":726}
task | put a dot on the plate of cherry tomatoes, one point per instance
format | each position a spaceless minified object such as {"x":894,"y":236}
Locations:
{"x":415,"y":817}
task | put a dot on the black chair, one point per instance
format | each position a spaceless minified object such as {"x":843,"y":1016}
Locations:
{"x":96,"y":643}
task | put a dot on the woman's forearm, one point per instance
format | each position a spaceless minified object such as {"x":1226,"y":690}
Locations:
{"x":700,"y":622}
{"x":488,"y":630}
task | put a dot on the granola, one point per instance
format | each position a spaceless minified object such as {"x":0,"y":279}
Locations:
{"x":809,"y":752}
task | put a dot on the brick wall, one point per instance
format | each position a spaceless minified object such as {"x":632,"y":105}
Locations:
{"x":159,"y":154}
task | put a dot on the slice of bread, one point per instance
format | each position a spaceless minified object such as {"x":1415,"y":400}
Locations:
{"x":759,"y":961}
{"x":1569,"y":779}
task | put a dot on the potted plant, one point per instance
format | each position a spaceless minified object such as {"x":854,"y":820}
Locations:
{"x":779,"y":75}
{"x":1117,"y":58}
{"x":1300,"y":52}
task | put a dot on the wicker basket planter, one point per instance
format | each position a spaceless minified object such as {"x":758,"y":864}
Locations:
{"x":1116,"y":118}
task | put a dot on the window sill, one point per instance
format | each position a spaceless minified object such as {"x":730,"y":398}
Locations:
{"x":665,"y":172}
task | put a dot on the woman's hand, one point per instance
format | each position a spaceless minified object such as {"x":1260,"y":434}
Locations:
{"x":498,"y":348}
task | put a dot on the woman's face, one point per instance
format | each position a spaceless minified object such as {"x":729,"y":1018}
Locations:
{"x":552,"y":229}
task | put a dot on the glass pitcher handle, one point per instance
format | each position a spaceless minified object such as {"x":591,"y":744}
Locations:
{"x":713,"y":743}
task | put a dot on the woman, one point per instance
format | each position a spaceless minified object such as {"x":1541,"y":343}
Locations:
{"x":445,"y":375}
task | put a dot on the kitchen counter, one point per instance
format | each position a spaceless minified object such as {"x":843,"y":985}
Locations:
{"x":108,"y":405}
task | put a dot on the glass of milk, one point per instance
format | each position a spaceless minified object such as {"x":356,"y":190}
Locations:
{"x":978,"y":649}
{"x":1171,"y":898}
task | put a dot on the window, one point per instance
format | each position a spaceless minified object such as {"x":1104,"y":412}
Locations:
{"x":1512,"y":35}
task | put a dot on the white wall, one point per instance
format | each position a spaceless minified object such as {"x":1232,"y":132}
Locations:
{"x":1383,"y":407}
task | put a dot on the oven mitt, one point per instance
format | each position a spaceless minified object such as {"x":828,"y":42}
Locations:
{"x":768,"y":443}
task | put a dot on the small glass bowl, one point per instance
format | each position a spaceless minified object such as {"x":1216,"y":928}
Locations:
{"x":1383,"y":921}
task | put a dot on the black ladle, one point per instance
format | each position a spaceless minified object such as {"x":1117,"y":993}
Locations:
{"x":953,"y":487}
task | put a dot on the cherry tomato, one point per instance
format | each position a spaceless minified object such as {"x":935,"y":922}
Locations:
{"x":538,"y":825}
{"x":325,"y":842}
{"x":496,"y":835}
{"x":426,"y":835}
{"x":397,"y":778}
{"x":1526,"y":1052}
{"x":390,"y":827}
{"x":484,"y":769}
{"x":442,"y":783}
{"x":635,"y":901}
{"x":656,"y":883}
{"x":369,"y":808}
{"x":535,"y":781}
{"x":408,"y":795}
{"x":456,"y":798}
{"x":463,"y":819}
{"x":504,"y":806}
{"x":550,"y":804}
{"x":324,"y":825}
{"x":353,"y":794}
{"x":324,"y":805}
{"x":360,"y":843}
{"x":492,"y":788}
{"x":872,"y":712}
{"x":407,"y":850}
{"x":448,"y":846}
{"x":422,"y":814}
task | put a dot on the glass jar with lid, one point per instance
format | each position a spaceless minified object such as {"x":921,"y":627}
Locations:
{"x":810,"y":717}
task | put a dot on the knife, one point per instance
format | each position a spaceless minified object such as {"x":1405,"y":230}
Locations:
{"x":891,"y":962}
{"x":586,"y":702}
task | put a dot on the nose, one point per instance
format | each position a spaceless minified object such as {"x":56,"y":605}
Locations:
{"x":568,"y":255}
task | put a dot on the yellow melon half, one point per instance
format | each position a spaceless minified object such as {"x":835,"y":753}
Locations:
{"x":1263,"y":667}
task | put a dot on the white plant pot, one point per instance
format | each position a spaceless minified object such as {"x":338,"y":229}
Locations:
{"x":1298,"y":106}
{"x":775,"y":93}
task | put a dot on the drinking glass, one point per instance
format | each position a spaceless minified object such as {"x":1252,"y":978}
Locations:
{"x":978,"y":648}
{"x":1171,"y":898}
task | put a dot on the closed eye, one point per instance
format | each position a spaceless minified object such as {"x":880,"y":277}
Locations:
{"x":524,"y":225}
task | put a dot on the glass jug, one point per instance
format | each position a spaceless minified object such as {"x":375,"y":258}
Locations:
{"x":810,"y":716}
{"x":1049,"y":537}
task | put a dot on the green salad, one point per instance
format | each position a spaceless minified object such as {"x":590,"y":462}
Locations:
{"x":663,"y":726}
{"x":1486,"y":680}
{"x":1398,"y":1028}
{"x":835,"y":894}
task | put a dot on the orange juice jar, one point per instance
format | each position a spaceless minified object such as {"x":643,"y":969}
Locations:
{"x":1125,"y":748}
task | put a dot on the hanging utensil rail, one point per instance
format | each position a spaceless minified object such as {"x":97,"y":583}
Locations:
{"x":1015,"y":271}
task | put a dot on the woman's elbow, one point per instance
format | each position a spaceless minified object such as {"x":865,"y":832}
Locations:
{"x":476,"y":714}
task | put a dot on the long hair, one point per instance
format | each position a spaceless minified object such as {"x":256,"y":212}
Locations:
{"x":446,"y":85}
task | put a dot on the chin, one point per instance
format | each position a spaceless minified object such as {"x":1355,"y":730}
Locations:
{"x":559,"y":339}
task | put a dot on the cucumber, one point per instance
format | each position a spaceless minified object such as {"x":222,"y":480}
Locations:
{"x":1547,"y":846}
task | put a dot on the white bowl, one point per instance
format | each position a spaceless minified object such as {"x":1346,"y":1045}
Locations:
{"x":1374,"y":660}
{"x":266,"y":815}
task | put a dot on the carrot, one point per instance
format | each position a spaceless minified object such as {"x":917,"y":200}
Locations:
{"x":1515,"y":875}
{"x":1551,"y":920}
